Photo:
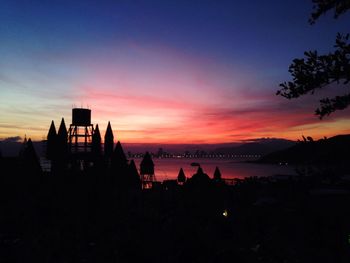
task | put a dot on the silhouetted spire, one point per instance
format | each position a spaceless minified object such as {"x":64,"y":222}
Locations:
{"x":119,"y":165}
{"x":217,"y":174}
{"x":134,"y":177}
{"x":23,"y":146}
{"x":199,"y":178}
{"x":133,"y":169}
{"x":96,"y":141}
{"x":147,"y":165}
{"x":62,"y":131}
{"x":30,"y":157}
{"x":119,"y":155}
{"x":109,"y":141}
{"x":97,"y":134}
{"x":181,"y":178}
{"x":62,"y":141}
{"x":52,"y":131}
{"x":51,"y":142}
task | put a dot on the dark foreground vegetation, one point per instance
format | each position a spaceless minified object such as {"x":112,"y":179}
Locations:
{"x":90,"y":217}
{"x":334,"y":150}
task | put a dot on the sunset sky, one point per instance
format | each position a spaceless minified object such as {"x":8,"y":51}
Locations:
{"x":181,"y":71}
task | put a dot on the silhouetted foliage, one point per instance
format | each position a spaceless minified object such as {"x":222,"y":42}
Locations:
{"x":323,"y":6}
{"x":317,"y":71}
{"x":334,"y":150}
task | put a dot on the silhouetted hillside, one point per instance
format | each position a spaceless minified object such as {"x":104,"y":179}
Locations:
{"x":257,"y":146}
{"x":333,"y":150}
{"x":10,"y":147}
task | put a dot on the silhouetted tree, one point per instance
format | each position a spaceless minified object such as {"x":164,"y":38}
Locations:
{"x":30,"y":158}
{"x":62,"y":140}
{"x":133,"y":176}
{"x":317,"y":71}
{"x":109,"y":141}
{"x":51,"y":142}
{"x":118,"y":160}
{"x":96,"y":142}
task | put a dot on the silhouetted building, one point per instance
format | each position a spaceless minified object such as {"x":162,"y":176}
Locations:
{"x":217,"y":175}
{"x":200,"y":178}
{"x":118,"y":160}
{"x":181,"y":178}
{"x":80,"y":131}
{"x":147,"y":171}
{"x":79,"y":151}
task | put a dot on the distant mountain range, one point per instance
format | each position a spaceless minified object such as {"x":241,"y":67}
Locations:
{"x":332,"y":150}
{"x":261,"y":146}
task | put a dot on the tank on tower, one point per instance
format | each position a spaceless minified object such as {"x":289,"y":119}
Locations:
{"x":81,"y":117}
{"x":80,"y":131}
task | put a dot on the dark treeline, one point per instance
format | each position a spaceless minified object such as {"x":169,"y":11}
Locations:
{"x":91,"y":216}
{"x":94,"y":206}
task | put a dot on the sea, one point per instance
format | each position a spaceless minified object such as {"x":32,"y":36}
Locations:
{"x":168,"y":168}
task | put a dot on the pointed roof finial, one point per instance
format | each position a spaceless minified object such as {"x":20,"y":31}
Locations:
{"x":119,"y":154}
{"x":97,"y":132}
{"x":109,"y":132}
{"x":62,"y":131}
{"x":181,"y":178}
{"x":52,"y":130}
{"x":133,"y":170}
{"x":109,"y":141}
{"x":217,"y":174}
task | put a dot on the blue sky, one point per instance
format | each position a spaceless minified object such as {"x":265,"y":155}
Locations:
{"x":200,"y":58}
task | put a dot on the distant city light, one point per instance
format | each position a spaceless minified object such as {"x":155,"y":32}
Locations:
{"x":225,"y":213}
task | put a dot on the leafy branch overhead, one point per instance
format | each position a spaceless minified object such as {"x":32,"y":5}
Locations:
{"x":323,"y":6}
{"x":317,"y":71}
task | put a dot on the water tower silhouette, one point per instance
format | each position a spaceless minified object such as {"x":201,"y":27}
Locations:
{"x":80,"y":131}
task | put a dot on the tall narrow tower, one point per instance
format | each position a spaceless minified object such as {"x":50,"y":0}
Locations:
{"x":147,"y":171}
{"x":80,"y":132}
